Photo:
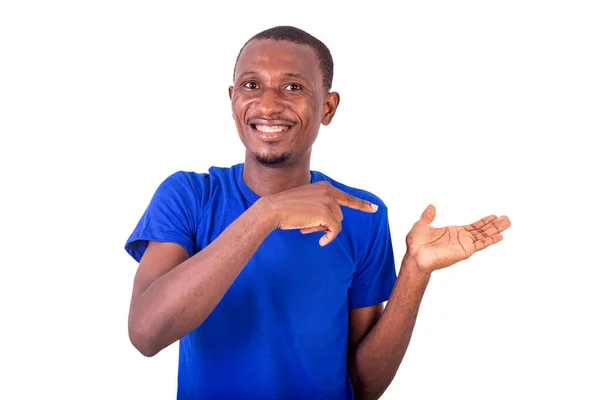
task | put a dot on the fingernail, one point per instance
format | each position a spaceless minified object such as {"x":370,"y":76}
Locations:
{"x":374,"y":206}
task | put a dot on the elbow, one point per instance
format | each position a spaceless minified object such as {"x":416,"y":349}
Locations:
{"x":143,"y":339}
{"x":147,"y":350}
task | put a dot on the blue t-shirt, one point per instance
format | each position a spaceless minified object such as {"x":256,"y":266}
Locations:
{"x":281,"y":330}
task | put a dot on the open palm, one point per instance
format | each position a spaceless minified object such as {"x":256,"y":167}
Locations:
{"x":436,"y":248}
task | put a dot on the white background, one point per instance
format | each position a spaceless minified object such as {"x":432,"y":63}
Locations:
{"x":477,"y":107}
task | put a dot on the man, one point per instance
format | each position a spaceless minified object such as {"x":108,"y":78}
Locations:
{"x":249,"y":268}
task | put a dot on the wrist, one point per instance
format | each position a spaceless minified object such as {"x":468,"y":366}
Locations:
{"x":266,"y":213}
{"x":413,"y":269}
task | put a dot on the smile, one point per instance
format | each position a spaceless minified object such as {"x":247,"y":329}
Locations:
{"x":270,"y":130}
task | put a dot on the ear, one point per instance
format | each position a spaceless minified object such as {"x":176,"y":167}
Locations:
{"x":332,"y":100}
{"x":231,"y":99}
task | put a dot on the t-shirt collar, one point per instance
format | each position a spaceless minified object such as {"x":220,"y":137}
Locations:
{"x":248,"y":194}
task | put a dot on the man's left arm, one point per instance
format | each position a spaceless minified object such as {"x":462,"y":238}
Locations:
{"x":379,"y":339}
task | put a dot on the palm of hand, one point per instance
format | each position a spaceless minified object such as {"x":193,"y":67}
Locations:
{"x":436,"y":248}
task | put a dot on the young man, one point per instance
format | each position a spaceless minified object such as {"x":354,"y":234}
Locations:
{"x":249,"y":268}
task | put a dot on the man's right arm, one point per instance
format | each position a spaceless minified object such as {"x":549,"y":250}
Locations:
{"x":174,"y":293}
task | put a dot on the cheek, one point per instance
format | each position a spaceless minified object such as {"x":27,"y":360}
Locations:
{"x":309,"y":112}
{"x":240,"y":106}
{"x":239,"y":112}
{"x":314,"y":116}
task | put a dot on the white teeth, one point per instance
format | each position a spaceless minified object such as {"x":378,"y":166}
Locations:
{"x":275,"y":128}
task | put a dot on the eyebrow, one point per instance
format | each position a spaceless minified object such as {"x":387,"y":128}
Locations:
{"x":244,"y":74}
{"x":287,"y":74}
{"x":294,"y":75}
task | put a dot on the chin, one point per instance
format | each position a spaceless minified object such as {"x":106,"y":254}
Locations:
{"x":273,"y":160}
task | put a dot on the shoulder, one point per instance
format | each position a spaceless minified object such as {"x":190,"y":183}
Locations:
{"x":366,"y":234}
{"x":357,"y":223}
{"x":199,"y":183}
{"x":360,"y":193}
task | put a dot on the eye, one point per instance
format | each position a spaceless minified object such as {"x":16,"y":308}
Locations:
{"x":251,"y":85}
{"x":294,"y":87}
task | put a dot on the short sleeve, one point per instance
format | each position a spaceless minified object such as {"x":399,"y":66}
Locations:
{"x":170,"y":217}
{"x":375,"y":276}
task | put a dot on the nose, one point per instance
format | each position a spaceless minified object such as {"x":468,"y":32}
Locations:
{"x":270,"y":102}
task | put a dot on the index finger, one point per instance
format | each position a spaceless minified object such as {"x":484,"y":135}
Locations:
{"x":347,"y":200}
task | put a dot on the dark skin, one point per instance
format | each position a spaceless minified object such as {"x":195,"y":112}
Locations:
{"x":287,"y":90}
{"x":174,"y":293}
{"x":278,"y":104}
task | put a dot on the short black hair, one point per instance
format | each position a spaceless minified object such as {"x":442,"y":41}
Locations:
{"x":296,"y":35}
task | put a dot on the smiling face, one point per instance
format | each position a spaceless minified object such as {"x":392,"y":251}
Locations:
{"x":279,"y":101}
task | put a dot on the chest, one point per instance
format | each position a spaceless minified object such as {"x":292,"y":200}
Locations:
{"x":288,"y":265}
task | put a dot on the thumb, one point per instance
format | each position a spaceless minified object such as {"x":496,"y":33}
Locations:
{"x":429,"y":214}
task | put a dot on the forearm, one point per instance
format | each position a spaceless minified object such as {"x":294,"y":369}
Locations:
{"x":378,"y":356}
{"x":182,"y":299}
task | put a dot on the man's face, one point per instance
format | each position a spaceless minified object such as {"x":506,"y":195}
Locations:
{"x":278,"y":100}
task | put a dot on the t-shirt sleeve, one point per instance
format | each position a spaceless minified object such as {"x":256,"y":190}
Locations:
{"x":375,"y":276}
{"x":170,"y":217}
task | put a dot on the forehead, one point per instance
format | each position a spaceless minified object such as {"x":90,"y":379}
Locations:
{"x":278,"y":57}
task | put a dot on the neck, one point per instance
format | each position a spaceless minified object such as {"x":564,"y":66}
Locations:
{"x":265,"y":180}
